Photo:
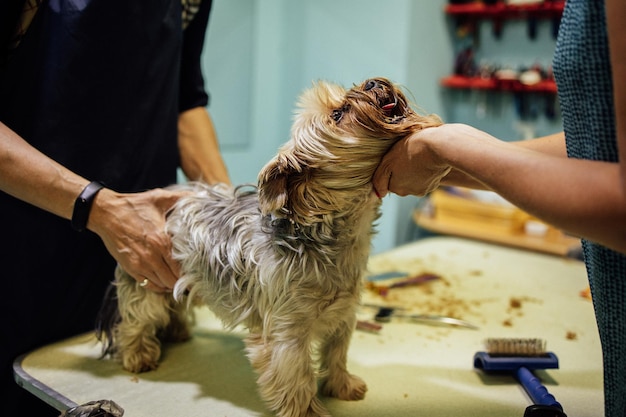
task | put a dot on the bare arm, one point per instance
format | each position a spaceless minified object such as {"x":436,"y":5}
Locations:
{"x":199,"y":149}
{"x":29,"y":175}
{"x":551,"y":144}
{"x":131,"y":225}
{"x":583,"y":197}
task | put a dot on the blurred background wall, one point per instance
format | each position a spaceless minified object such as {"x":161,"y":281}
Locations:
{"x":260,"y":54}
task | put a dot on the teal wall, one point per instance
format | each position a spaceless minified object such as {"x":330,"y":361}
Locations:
{"x":260,"y":54}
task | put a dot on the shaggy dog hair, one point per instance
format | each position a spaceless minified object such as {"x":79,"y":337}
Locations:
{"x":284,"y":259}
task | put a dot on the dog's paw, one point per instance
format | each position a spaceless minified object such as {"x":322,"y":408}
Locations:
{"x":348,"y":387}
{"x":316,"y":409}
{"x":296,"y":409}
{"x":139,"y":363}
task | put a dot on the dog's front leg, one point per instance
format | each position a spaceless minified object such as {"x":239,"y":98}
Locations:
{"x":338,"y":382}
{"x":287,"y":381}
{"x":143,"y":313}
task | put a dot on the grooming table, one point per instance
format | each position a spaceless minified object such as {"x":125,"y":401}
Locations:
{"x":411,"y":369}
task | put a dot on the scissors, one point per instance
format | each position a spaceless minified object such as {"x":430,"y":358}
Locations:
{"x":385,"y":314}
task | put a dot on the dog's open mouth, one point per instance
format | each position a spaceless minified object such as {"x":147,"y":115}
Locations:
{"x":378,"y":93}
{"x":390,"y":107}
{"x":386,"y":98}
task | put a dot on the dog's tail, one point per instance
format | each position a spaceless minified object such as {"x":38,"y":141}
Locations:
{"x":107,"y":319}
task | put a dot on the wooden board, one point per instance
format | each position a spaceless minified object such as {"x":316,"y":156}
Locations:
{"x":457,"y":216}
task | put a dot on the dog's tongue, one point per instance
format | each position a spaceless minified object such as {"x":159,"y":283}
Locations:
{"x":389,"y":106}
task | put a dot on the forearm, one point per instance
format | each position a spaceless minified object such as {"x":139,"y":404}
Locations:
{"x":581,"y":197}
{"x":199,"y":149}
{"x":551,"y":145}
{"x":31,"y":176}
{"x":132,"y":226}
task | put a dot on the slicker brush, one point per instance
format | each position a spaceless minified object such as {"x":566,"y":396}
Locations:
{"x":519,"y":356}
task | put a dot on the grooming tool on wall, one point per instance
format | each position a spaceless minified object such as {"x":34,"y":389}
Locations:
{"x":385,"y":314}
{"x":521,"y":356}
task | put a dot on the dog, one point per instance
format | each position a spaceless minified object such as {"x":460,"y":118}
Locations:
{"x":284,"y":258}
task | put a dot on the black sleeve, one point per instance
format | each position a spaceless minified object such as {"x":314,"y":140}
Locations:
{"x":10,"y":12}
{"x":192,"y":91}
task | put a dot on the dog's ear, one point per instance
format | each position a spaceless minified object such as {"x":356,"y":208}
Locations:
{"x":273,"y":182}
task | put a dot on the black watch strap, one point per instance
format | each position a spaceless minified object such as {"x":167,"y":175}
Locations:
{"x":82,"y":205}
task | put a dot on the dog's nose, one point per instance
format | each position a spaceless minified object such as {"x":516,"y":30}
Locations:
{"x":371,"y":84}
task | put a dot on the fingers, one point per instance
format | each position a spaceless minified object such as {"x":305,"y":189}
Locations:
{"x":151,"y":286}
{"x":408,"y":168}
{"x":164,"y":271}
{"x":134,"y":233}
{"x":170,"y":271}
{"x":381,"y":179}
{"x":163,"y":277}
{"x":165,"y":199}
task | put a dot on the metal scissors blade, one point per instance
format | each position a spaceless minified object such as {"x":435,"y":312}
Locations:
{"x":385,"y":313}
{"x":434,"y":319}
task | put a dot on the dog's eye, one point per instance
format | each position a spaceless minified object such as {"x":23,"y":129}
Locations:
{"x":337,"y":114}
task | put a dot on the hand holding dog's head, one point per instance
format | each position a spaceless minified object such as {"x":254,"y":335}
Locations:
{"x":337,"y":139}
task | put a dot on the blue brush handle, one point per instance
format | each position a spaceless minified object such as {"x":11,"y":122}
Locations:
{"x":535,"y":389}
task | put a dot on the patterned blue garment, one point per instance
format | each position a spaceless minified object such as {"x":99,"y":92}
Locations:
{"x":583,"y":74}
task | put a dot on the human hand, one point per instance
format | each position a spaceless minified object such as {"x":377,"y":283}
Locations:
{"x":132,"y":227}
{"x":411,"y":166}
